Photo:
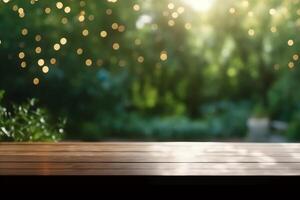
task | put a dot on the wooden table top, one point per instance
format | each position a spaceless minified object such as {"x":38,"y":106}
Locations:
{"x":138,"y":158}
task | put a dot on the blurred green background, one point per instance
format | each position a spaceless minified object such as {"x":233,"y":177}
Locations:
{"x":168,"y":70}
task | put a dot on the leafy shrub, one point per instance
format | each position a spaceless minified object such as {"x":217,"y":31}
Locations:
{"x":294,"y":128}
{"x":259,"y":111}
{"x":284,"y":102}
{"x":284,"y":99}
{"x":161,"y":128}
{"x":28,"y":123}
{"x":220,"y":120}
{"x":227,"y":119}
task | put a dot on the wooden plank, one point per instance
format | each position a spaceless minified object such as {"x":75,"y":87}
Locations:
{"x":152,"y":153}
{"x":148,"y":158}
{"x":147,"y":143}
{"x":150,"y":144}
{"x":148,"y":166}
{"x":147,"y":148}
{"x":114,"y":158}
{"x":170,"y":154}
{"x":143,"y":172}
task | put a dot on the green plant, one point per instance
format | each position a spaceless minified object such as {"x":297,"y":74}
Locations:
{"x":27,"y":122}
{"x":161,"y":73}
{"x":294,"y":128}
{"x":226,"y":119}
{"x":260,"y":111}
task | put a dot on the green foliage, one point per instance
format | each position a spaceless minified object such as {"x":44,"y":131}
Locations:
{"x":221,"y":120}
{"x":118,"y":96}
{"x":294,"y":128}
{"x":284,"y":99}
{"x":27,"y":123}
{"x":161,"y":129}
{"x":285,"y":102}
{"x":227,"y":119}
{"x":260,"y":111}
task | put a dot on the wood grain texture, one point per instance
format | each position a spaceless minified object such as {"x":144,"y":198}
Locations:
{"x":138,"y":158}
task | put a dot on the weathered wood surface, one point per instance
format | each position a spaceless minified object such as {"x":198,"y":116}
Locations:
{"x":149,"y":159}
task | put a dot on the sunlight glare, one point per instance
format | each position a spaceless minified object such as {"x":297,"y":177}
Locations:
{"x":200,"y":5}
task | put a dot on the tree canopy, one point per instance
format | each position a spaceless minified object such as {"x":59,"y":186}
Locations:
{"x":153,"y":69}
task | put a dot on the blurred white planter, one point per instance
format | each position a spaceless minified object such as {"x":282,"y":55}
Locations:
{"x":258,"y":129}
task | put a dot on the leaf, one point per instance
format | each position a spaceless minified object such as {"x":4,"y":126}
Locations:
{"x":3,"y":129}
{"x":1,"y":94}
